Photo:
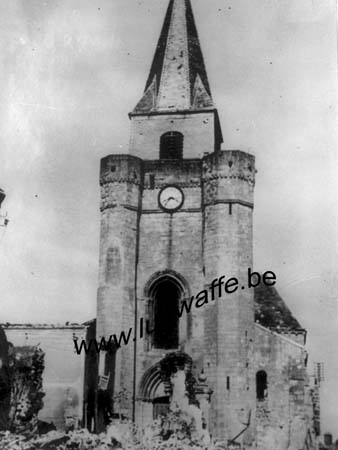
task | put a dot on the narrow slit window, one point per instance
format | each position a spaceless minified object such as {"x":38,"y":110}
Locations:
{"x":152,"y":181}
{"x":261,"y":385}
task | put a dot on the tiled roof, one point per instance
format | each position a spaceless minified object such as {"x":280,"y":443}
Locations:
{"x":272,"y":312}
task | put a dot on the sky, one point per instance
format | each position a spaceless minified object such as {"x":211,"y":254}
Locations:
{"x":71,"y":70}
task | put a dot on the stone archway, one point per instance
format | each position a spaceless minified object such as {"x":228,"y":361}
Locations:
{"x":164,"y":293}
{"x":156,"y":389}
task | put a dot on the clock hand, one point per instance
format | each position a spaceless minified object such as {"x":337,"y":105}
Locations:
{"x":168,"y":200}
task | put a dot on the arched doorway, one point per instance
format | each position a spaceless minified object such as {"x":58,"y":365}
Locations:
{"x":156,"y":388}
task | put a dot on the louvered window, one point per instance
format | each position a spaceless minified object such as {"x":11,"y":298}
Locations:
{"x":171,"y":145}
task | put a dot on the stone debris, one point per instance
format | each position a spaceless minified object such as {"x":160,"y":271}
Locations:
{"x":117,"y":437}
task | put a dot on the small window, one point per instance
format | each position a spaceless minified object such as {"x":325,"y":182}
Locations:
{"x":152,"y":181}
{"x":261,"y":385}
{"x":171,"y":145}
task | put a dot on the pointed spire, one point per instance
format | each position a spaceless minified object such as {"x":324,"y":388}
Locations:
{"x":177,"y":80}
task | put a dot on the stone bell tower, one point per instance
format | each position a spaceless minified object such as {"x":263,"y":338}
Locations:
{"x":176,"y":213}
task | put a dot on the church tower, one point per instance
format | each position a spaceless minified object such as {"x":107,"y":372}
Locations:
{"x":176,"y":214}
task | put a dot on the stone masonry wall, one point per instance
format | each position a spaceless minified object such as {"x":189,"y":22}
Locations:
{"x":210,"y":236}
{"x":284,"y":417}
{"x":198,"y":130}
{"x":228,"y":181}
{"x":121,"y":179}
{"x":171,"y":243}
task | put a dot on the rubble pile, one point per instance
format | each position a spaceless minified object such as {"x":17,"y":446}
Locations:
{"x":57,"y":440}
{"x":26,"y":366}
{"x":117,"y":437}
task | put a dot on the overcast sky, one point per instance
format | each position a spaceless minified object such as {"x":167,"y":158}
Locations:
{"x":71,"y":70}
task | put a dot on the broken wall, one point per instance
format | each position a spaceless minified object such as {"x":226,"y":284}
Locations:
{"x":63,"y":376}
{"x":284,"y":416}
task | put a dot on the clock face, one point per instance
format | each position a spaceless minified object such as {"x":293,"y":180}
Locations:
{"x":171,"y":198}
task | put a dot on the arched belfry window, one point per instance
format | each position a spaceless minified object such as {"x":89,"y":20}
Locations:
{"x":261,"y":385}
{"x":171,"y":145}
{"x":166,"y":294}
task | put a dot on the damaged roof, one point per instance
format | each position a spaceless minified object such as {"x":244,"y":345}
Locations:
{"x":271,"y":311}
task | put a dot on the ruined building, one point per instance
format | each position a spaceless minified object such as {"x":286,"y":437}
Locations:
{"x":63,"y":384}
{"x":176,"y":213}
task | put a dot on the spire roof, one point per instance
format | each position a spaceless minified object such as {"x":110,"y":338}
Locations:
{"x":178,"y":79}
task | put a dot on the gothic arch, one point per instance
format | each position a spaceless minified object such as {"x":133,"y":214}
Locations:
{"x":150,"y":382}
{"x":165,"y":292}
{"x":181,"y":282}
{"x":161,"y":373}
